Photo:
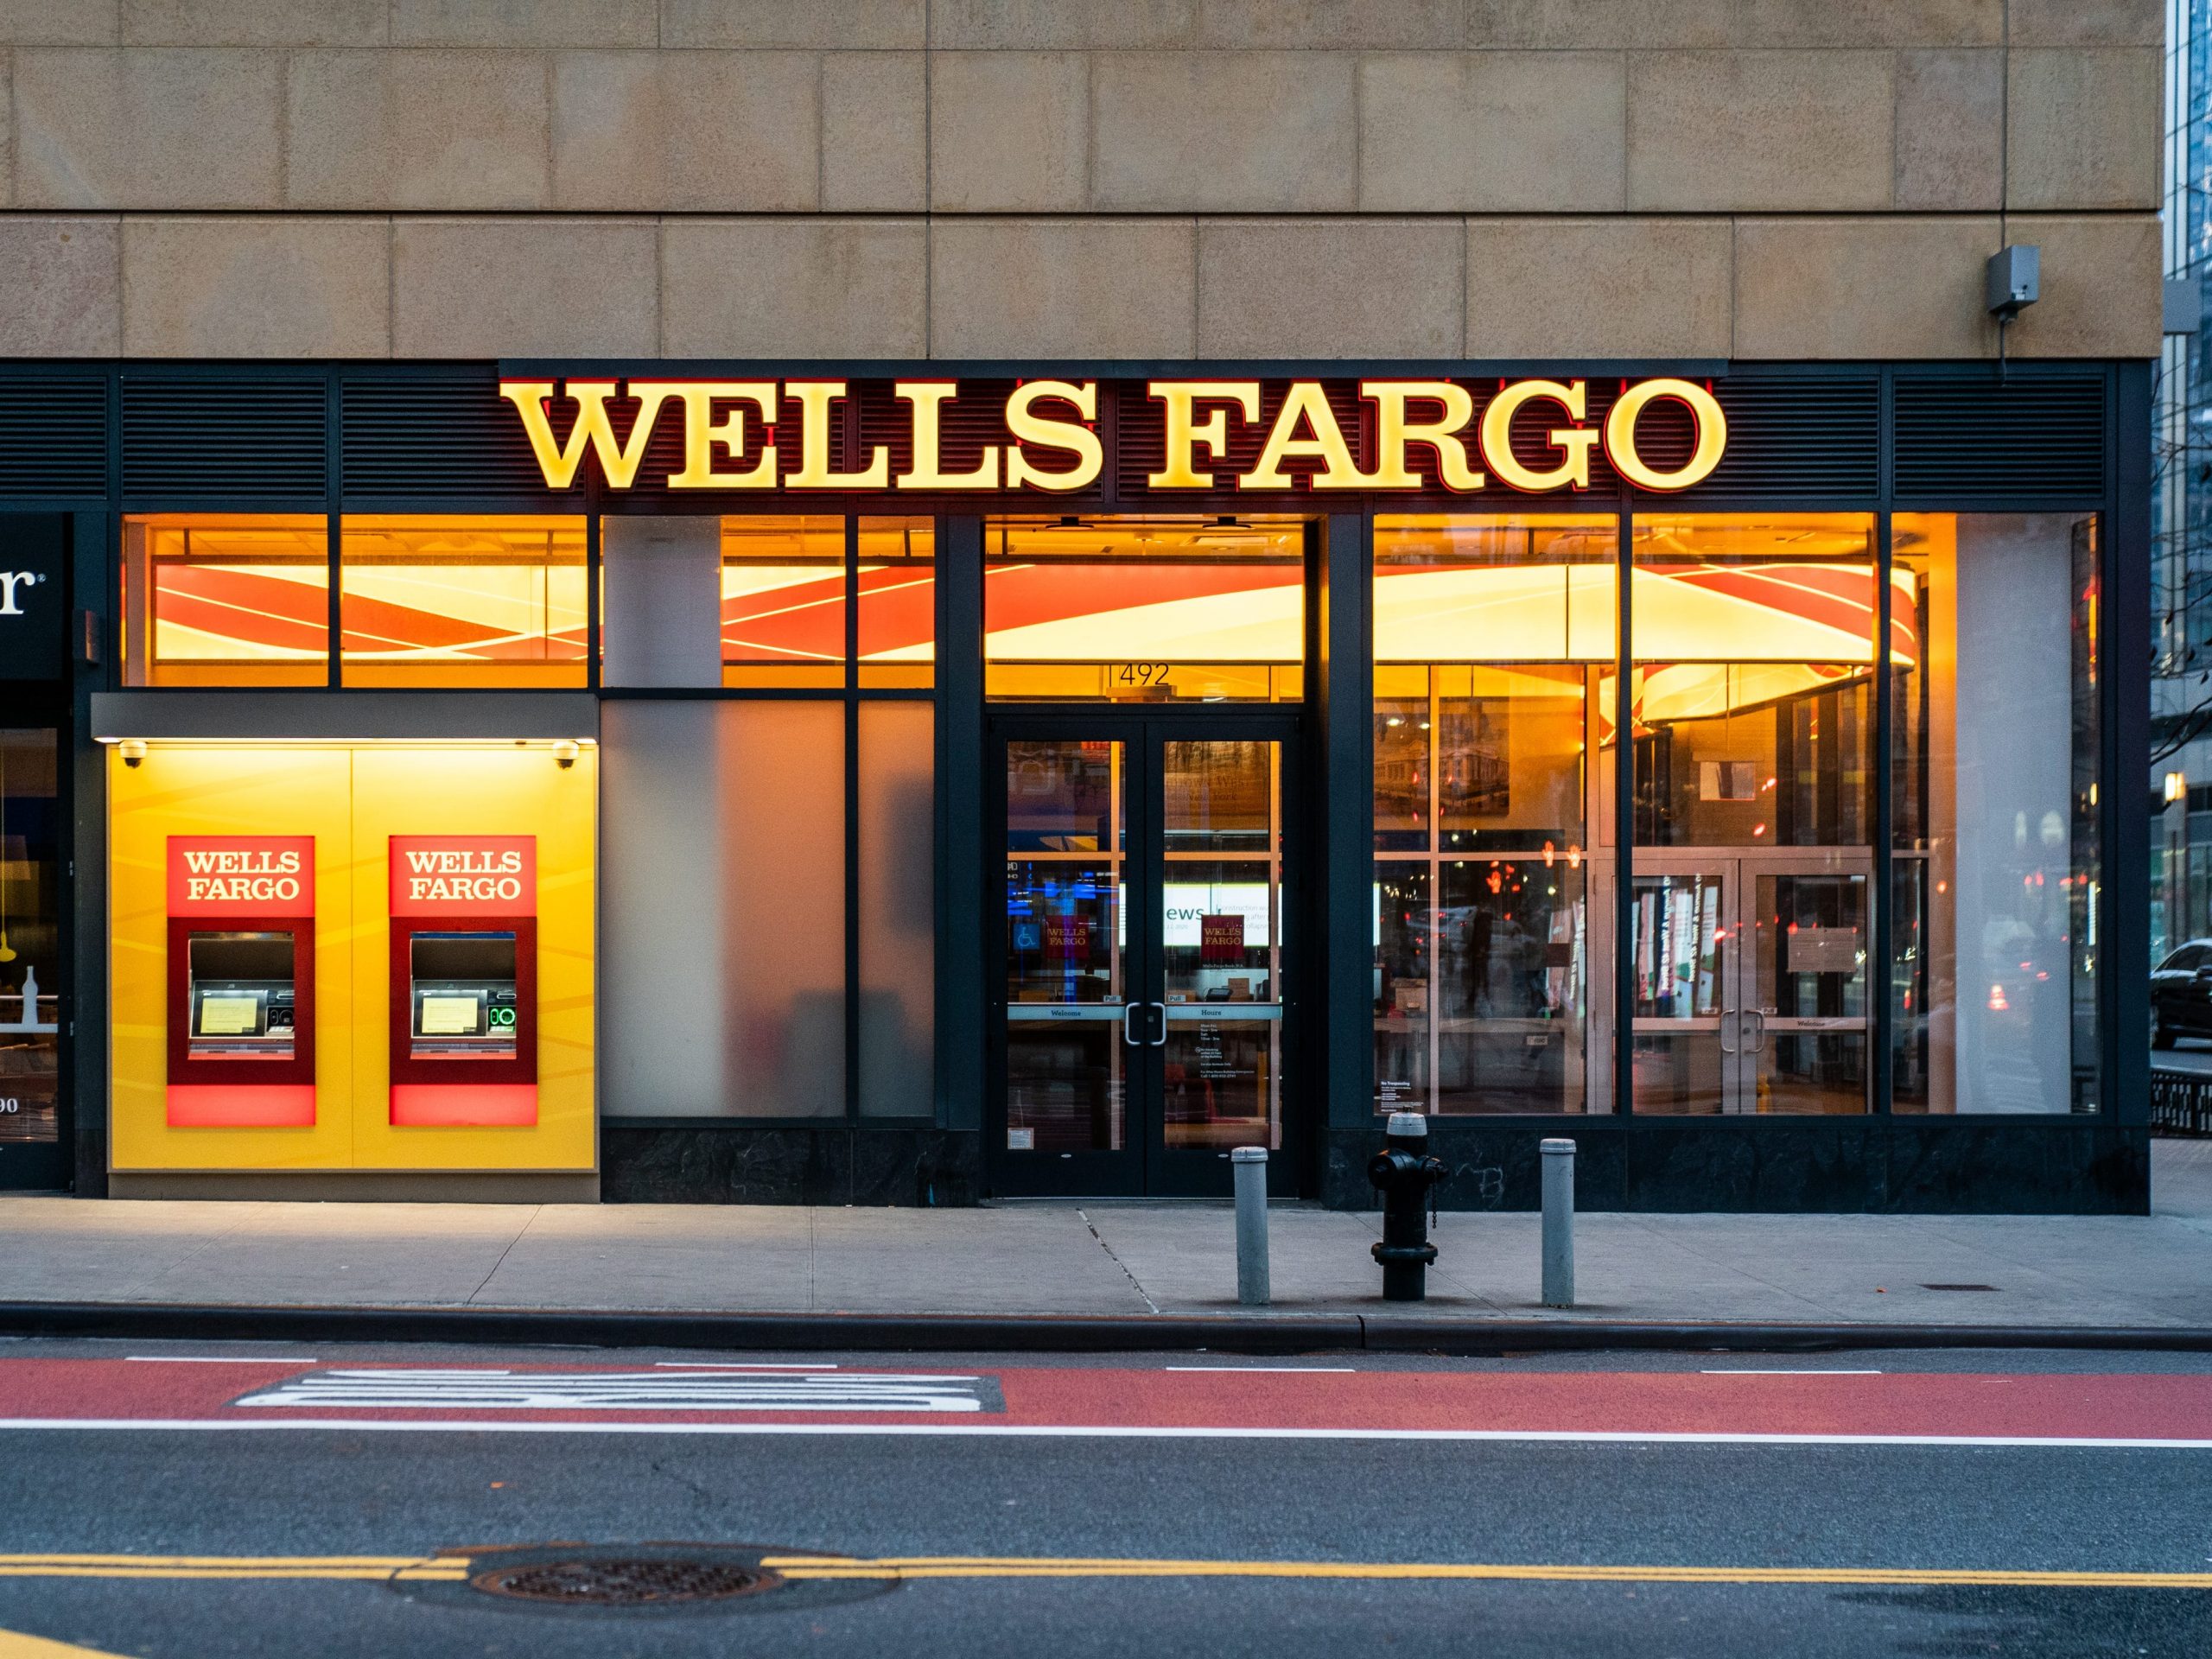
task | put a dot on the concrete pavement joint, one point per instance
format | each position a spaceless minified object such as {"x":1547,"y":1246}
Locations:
{"x":1151,"y":1307}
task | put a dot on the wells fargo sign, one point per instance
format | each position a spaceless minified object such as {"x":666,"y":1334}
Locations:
{"x":1413,"y":435}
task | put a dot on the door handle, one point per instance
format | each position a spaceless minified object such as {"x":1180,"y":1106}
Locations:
{"x":1160,"y":1041}
{"x":1726,"y":1014}
{"x":1128,"y":1033}
{"x":1759,"y":1031}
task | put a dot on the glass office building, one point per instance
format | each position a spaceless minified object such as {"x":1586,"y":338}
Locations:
{"x":489,"y":780}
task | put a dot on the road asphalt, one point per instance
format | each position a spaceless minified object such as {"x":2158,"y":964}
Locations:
{"x":1692,"y":1505}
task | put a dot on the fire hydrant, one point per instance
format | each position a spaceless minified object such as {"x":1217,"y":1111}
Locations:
{"x":1404,"y":1172}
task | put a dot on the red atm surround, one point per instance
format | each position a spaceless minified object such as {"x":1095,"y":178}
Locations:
{"x":241,"y":913}
{"x":455,"y":901}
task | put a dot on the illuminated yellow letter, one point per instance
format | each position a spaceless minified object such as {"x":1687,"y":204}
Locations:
{"x":1029,"y":428}
{"x":702,"y":433}
{"x":815,"y":397}
{"x":927,"y":396}
{"x":1575,"y":440}
{"x":1705,"y":454}
{"x":1181,"y":397}
{"x":593,"y":430}
{"x":1338,"y":470}
{"x":1392,"y":432}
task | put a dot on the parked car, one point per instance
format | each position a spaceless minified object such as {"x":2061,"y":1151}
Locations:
{"x":2181,"y":995}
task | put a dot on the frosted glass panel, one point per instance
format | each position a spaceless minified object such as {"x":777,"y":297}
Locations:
{"x":722,"y":984}
{"x":898,"y":909}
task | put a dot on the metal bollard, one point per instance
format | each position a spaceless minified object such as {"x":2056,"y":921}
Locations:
{"x":1403,"y":1172}
{"x":1559,"y":1223}
{"x":1249,"y":1164}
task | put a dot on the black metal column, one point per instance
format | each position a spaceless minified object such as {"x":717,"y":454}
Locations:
{"x":2123,"y":943}
{"x":1341,"y":809}
{"x":960,"y":827}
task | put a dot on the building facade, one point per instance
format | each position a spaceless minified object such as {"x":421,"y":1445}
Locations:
{"x":913,"y":602}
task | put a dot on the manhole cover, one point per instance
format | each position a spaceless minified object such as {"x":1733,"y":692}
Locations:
{"x":611,"y":1581}
{"x":576,"y":1578}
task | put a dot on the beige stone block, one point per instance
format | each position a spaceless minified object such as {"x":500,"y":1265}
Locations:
{"x":262,"y":286}
{"x":2085,"y":128}
{"x":1646,"y":24}
{"x":526,"y":22}
{"x":190,"y":128}
{"x":1009,"y":132}
{"x":687,"y":131}
{"x":874,"y":132}
{"x":770,"y":287}
{"x":525,"y":288}
{"x":1798,"y":130}
{"x":2089,"y":22}
{"x":1492,"y":132}
{"x":1030,"y":25}
{"x":59,"y":22}
{"x":1587,"y":288}
{"x":1223,"y":131}
{"x":1015,"y":287}
{"x":377,"y":131}
{"x":838,"y":24}
{"x":1386,"y":25}
{"x":1863,"y":288}
{"x":60,"y":275}
{"x":1870,"y":23}
{"x":253,"y":23}
{"x":1376,"y":288}
{"x":1950,"y":131}
{"x":2101,"y":286}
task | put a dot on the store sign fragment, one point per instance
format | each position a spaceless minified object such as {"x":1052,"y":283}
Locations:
{"x":1426,"y":434}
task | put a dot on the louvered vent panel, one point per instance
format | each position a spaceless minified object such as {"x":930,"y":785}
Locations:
{"x":2028,"y":441}
{"x":438,"y":437}
{"x":206,"y":437}
{"x":1788,"y":440}
{"x":53,"y":437}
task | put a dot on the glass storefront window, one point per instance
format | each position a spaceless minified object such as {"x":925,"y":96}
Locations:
{"x":897,"y":908}
{"x":1751,"y":698}
{"x":225,"y":599}
{"x":1492,"y":639}
{"x":783,"y":601}
{"x":1144,"y":610}
{"x":453,"y":601}
{"x":1995,"y":686}
{"x":897,"y":602}
{"x":30,"y":935}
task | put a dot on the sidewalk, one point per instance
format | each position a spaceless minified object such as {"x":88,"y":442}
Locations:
{"x":1121,"y":1261}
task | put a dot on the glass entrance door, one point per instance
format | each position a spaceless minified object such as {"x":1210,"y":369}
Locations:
{"x":1141,"y":985}
{"x":1751,"y":982}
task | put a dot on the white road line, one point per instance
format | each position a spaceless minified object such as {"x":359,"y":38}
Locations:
{"x":220,"y":1359}
{"x":1792,"y":1370}
{"x":1060,"y":1431}
{"x":711,"y":1365}
{"x":1273,"y":1370}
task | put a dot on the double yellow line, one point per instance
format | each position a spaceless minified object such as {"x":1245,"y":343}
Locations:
{"x":1042,"y":1566}
{"x":378,"y":1567}
{"x":897,"y":1568}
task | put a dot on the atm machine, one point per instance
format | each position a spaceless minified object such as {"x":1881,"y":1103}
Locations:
{"x":241,"y":981}
{"x":464,"y":981}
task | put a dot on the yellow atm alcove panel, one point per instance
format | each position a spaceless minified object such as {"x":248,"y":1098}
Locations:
{"x":480,"y":792}
{"x":261,"y":791}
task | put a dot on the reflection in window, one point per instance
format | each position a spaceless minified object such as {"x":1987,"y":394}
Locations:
{"x":1491,"y":639}
{"x":1144,"y":610}
{"x":427,"y":601}
{"x":1997,"y":877}
{"x":30,"y":934}
{"x":225,"y":599}
{"x":1751,"y":704}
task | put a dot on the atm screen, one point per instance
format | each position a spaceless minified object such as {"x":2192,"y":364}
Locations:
{"x":240,"y":990}
{"x":463,"y":996}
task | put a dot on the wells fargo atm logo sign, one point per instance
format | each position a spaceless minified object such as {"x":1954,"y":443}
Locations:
{"x":464,"y":875}
{"x":1409,"y":435}
{"x":226,"y":876}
